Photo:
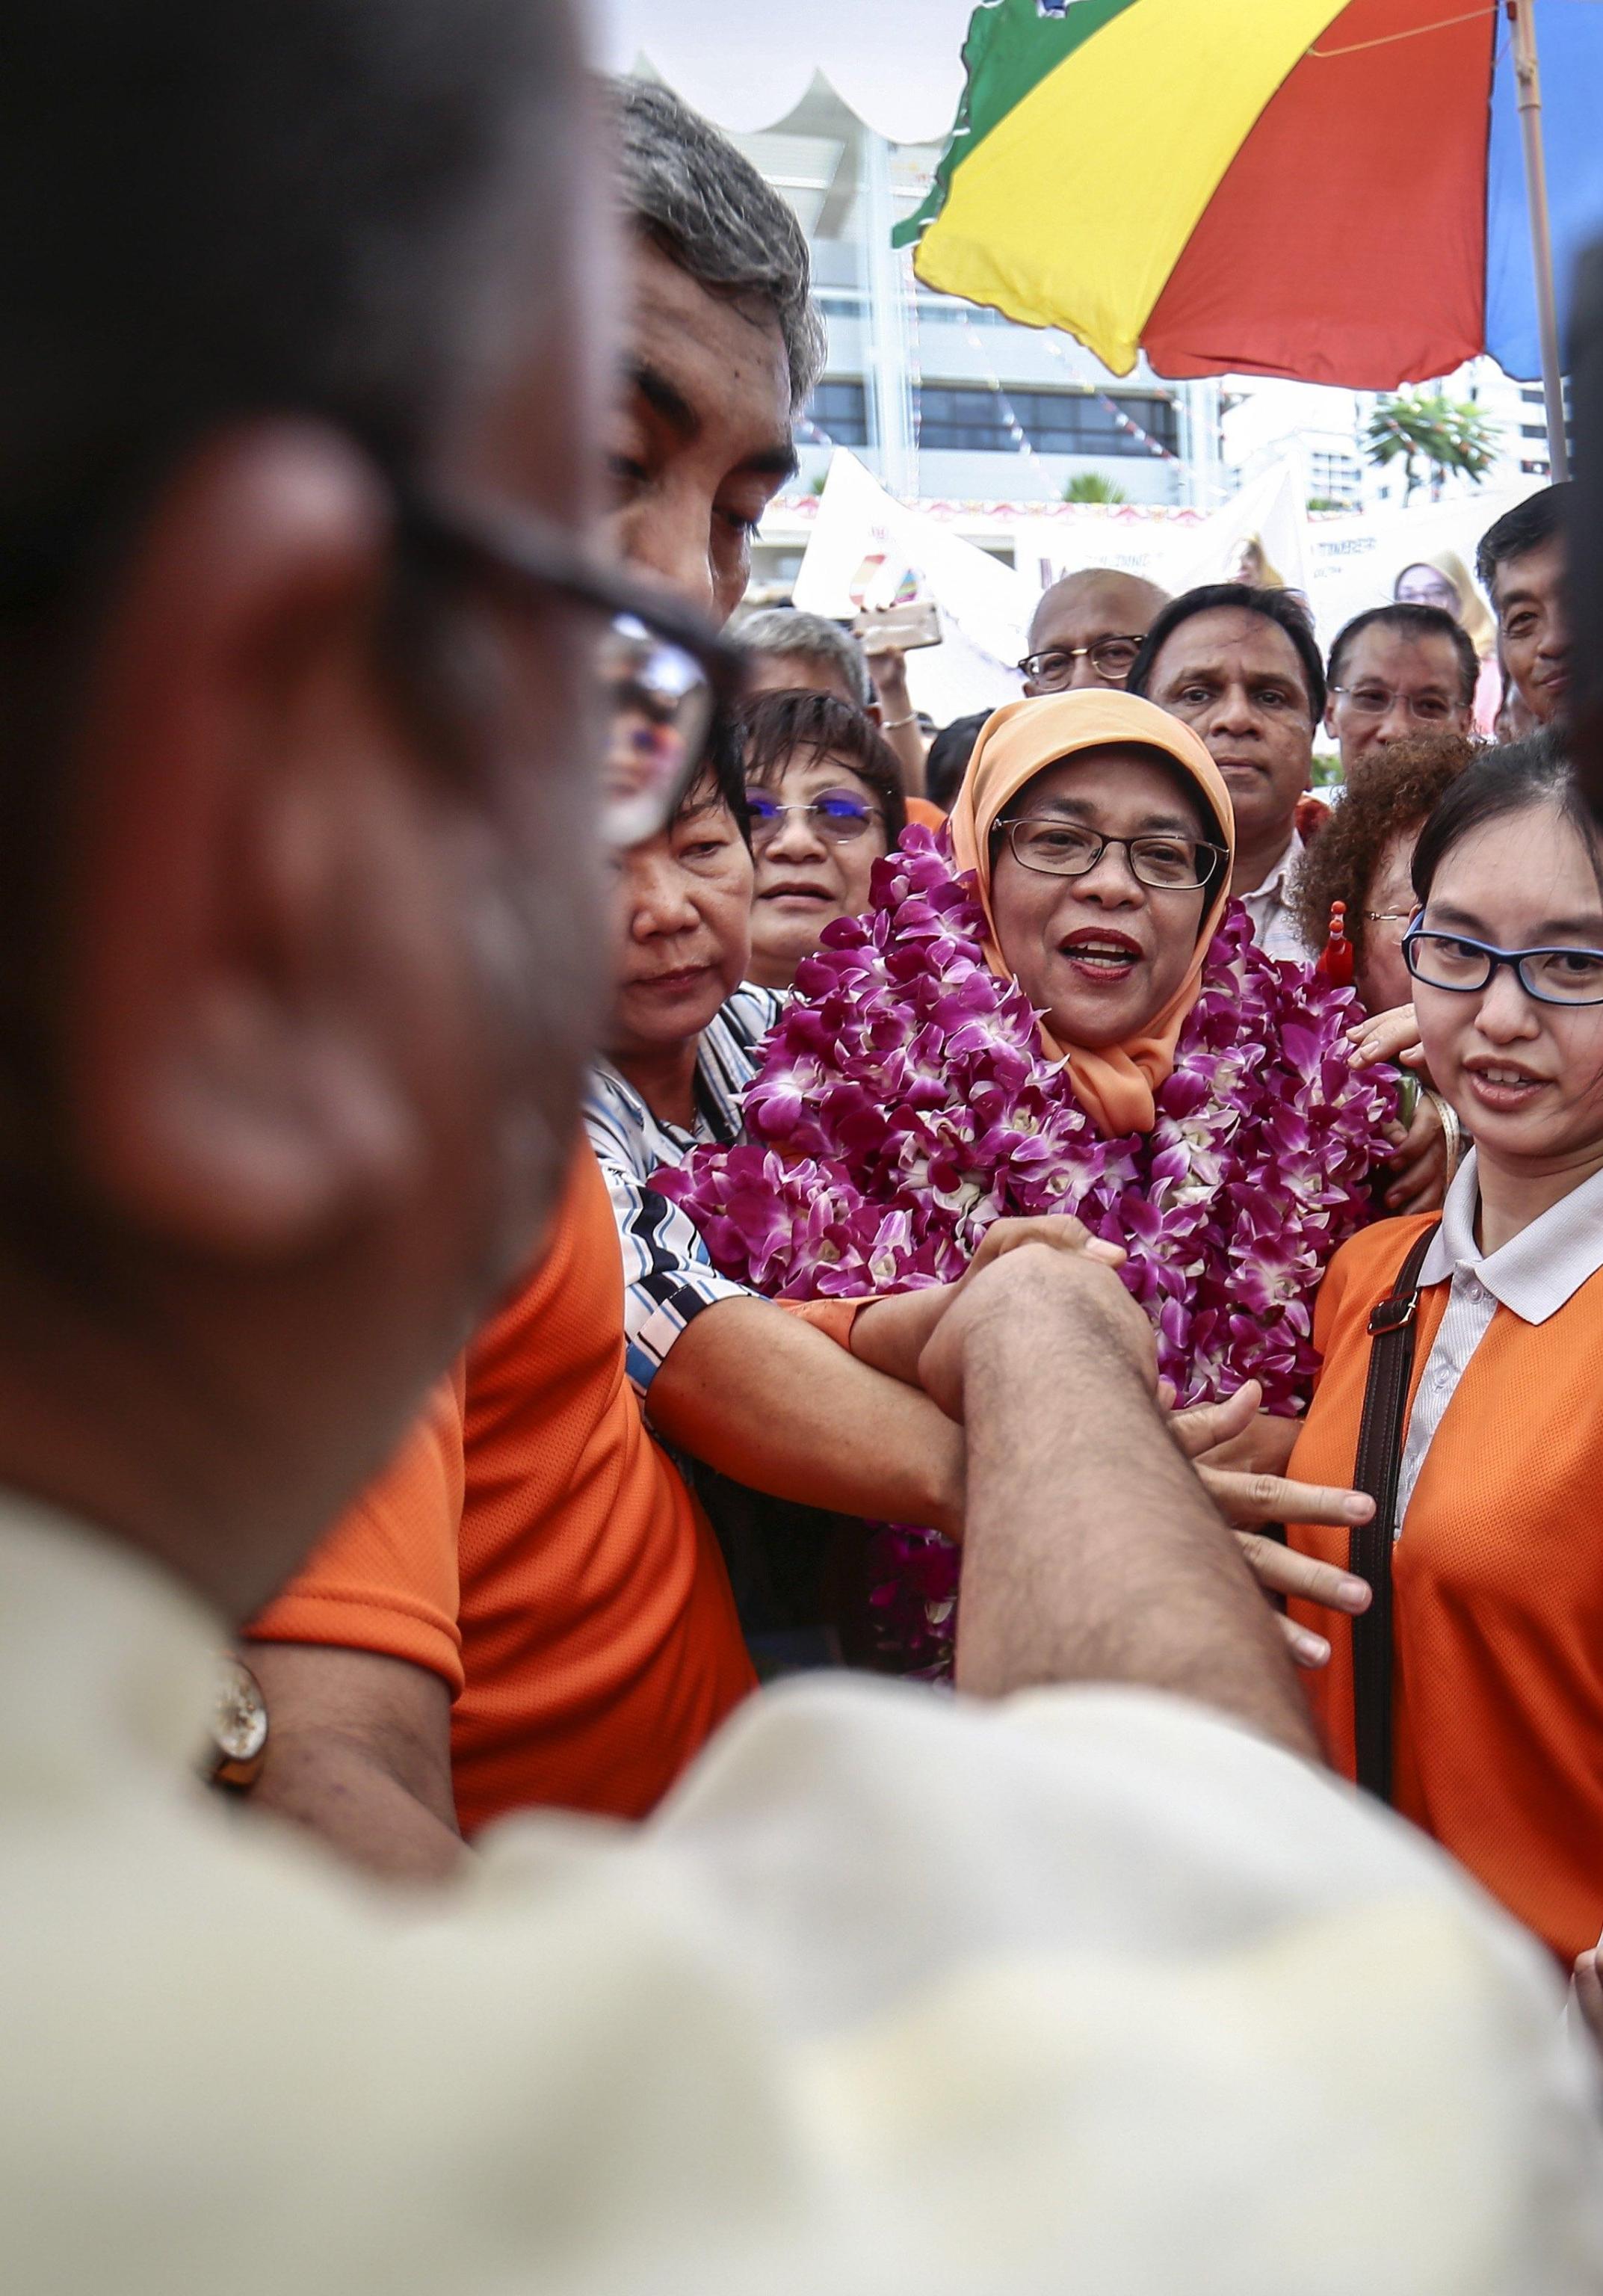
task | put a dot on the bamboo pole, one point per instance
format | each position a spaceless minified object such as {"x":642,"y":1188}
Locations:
{"x":1529,"y":82}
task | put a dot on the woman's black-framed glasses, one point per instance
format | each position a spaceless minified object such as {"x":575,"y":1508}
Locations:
{"x":1552,"y":976}
{"x":663,"y":672}
{"x":1166,"y":865}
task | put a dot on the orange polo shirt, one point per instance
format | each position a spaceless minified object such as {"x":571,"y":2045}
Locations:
{"x":1498,"y":1588}
{"x":539,"y":1552}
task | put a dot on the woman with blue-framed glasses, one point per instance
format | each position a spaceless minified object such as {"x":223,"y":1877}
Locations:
{"x":1494,"y":1698}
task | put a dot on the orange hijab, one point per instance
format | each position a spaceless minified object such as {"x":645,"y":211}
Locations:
{"x":1113,"y":1084}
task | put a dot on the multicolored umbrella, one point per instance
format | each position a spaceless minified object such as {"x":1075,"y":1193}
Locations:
{"x":1292,"y":187}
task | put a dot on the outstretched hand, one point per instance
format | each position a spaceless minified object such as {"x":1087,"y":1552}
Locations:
{"x":1392,"y":1036}
{"x":1240,"y":1452}
{"x":1419,"y":1157}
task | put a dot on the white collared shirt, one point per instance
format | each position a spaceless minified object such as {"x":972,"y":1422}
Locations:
{"x":897,"y":1992}
{"x":1533,"y":1274}
{"x":1273,"y":924}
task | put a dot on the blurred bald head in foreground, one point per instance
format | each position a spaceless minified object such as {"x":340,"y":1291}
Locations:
{"x":294,"y":999}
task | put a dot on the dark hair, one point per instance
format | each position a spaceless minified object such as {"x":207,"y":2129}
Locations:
{"x":1398,"y":790}
{"x":779,"y":728}
{"x":1410,"y":622}
{"x":712,"y":213}
{"x":1536,"y":771}
{"x":1281,"y":607}
{"x":721,"y":780}
{"x":1525,"y":528}
{"x":948,"y":758}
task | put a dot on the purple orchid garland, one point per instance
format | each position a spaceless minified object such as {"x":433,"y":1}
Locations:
{"x":904,"y":1103}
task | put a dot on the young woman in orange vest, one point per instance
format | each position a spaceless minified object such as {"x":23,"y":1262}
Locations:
{"x":1496,"y":1687}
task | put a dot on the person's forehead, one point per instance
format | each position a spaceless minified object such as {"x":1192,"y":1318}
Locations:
{"x":1409,"y":660}
{"x":1133,"y":781}
{"x":1229,"y":640}
{"x":1078,"y":612}
{"x":1533,"y":574}
{"x":725,"y":360}
{"x":808,"y":768}
{"x":1532,"y":864}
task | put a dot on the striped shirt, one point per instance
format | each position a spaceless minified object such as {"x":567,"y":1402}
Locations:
{"x":668,"y":1278}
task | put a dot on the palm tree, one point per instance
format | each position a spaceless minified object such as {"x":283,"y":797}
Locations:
{"x":1425,"y":426}
{"x":1092,"y":486}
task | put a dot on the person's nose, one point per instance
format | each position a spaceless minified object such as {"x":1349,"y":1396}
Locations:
{"x":1233,"y":711}
{"x":796,"y":836}
{"x":1505,"y":1014}
{"x":1112,"y":883}
{"x":1555,"y":641}
{"x":1084,"y":673}
{"x":1398,"y":721}
{"x":659,"y":900}
{"x":669,"y":534}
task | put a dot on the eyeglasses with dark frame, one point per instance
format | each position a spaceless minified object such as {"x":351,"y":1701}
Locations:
{"x":1464,"y":967}
{"x":1112,"y":657}
{"x":663,"y":674}
{"x":1163,"y":864}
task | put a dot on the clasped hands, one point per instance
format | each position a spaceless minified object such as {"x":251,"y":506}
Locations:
{"x":1052,"y":1271}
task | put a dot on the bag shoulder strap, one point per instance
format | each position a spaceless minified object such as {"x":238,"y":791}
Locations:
{"x":1377,"y":1470}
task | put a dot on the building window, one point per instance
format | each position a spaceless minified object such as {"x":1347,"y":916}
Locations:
{"x":1334,"y":476}
{"x":964,"y":419}
{"x":841,"y":411}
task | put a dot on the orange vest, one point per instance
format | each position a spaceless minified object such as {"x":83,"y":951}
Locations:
{"x":1498,"y":1590}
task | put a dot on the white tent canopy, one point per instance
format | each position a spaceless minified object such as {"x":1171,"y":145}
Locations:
{"x":898,"y":63}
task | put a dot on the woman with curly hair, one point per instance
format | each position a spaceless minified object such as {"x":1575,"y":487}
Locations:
{"x":1362,"y":856}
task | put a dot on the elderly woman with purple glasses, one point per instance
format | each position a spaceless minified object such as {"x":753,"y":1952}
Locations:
{"x":824,"y":790}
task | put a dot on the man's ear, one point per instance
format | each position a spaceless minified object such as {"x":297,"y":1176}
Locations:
{"x":220,"y":1092}
{"x":1330,"y":717}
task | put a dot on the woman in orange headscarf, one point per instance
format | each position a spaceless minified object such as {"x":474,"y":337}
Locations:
{"x":1100,"y":836}
{"x":1064,"y":1013}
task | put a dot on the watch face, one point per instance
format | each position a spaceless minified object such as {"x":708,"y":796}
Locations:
{"x":239,"y":1721}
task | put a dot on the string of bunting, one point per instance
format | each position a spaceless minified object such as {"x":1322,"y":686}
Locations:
{"x":817,"y":436}
{"x":1126,"y":422}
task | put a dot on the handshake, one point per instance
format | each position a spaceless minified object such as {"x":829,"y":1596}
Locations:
{"x":1043,"y":1297}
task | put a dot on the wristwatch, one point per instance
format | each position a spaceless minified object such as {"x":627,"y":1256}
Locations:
{"x":238,"y":1740}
